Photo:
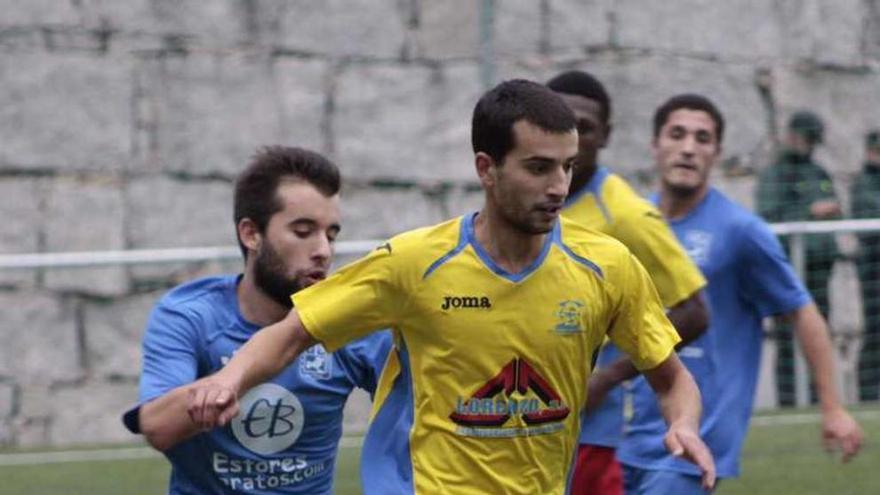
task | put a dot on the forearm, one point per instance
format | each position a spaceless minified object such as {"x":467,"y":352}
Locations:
{"x":677,"y":393}
{"x":268,"y":352}
{"x":812,"y":334}
{"x":690,"y":319}
{"x":164,"y":421}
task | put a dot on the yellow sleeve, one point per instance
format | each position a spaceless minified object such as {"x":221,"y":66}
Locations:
{"x":640,"y":327}
{"x":362,"y":297}
{"x":650,"y":239}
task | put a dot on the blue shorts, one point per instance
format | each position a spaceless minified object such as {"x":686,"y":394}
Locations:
{"x":638,"y":481}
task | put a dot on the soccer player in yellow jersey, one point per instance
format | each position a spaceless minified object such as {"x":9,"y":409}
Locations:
{"x":604,"y":201}
{"x":496,"y":316}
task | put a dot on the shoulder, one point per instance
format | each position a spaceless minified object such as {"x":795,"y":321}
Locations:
{"x":438,"y":237}
{"x":588,"y":245}
{"x":729,"y":214}
{"x":621,"y":193}
{"x":629,"y":208}
{"x":748,"y":230}
{"x":198,"y":296}
{"x":420,"y":248}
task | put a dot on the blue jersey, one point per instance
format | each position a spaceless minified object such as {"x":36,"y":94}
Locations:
{"x":285,"y":438}
{"x":749,"y":279}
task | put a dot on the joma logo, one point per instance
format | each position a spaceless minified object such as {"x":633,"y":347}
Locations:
{"x":457,"y":302}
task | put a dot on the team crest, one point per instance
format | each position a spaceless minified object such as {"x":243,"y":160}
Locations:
{"x":316,"y":362}
{"x":569,"y":317}
{"x":698,"y":244}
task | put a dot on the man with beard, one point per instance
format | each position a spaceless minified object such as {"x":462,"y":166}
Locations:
{"x":496,"y":315}
{"x":285,"y":439}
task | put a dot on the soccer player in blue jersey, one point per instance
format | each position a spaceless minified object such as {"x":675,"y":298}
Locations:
{"x":496,"y":315}
{"x":749,"y":279}
{"x":602,"y":200}
{"x":285,"y":439}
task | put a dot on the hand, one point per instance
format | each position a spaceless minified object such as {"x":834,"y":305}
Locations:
{"x":824,"y":208}
{"x":212,"y":402}
{"x":841,"y":432}
{"x":683,"y":441}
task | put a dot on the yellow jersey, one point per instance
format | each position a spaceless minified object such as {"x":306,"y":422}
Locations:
{"x":608,"y":204}
{"x":492,"y":371}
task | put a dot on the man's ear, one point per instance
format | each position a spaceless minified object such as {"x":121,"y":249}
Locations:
{"x":486,"y":169}
{"x":249,"y":234}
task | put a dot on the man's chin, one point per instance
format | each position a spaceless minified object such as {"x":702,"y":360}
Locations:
{"x":682,"y":188}
{"x":540,"y":228}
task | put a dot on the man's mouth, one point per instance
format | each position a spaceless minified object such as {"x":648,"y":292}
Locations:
{"x":316,"y":275}
{"x":550,"y":208}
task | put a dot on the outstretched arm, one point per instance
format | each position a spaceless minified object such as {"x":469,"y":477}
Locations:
{"x":213,"y":400}
{"x":839,"y":429}
{"x":681,"y":406}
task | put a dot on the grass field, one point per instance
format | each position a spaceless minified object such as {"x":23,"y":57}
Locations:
{"x":782,"y":456}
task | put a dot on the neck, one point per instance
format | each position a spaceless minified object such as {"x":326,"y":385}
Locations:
{"x":255,"y":305}
{"x":582,"y":178}
{"x":675,"y":204}
{"x":510,"y":248}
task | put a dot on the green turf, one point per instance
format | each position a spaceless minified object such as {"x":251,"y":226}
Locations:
{"x":777,"y":459}
{"x":86,"y":478}
{"x":783,"y":459}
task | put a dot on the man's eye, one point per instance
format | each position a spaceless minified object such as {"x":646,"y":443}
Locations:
{"x":302,"y":233}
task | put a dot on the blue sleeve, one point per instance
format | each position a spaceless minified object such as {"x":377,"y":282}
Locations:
{"x":364,"y":359}
{"x":170,"y":356}
{"x":170,"y":352}
{"x":769,"y":281}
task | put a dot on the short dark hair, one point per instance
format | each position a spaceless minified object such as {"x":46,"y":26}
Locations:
{"x":807,"y":124}
{"x":689,"y":101}
{"x":580,"y":83}
{"x":256,"y":187}
{"x":509,"y":102}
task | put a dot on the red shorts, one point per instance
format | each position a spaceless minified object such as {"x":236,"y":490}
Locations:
{"x":596,"y":472}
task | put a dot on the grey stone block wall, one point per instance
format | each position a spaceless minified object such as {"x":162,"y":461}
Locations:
{"x":124,"y":123}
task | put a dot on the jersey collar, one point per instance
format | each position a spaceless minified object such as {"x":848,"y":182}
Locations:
{"x":468,"y":232}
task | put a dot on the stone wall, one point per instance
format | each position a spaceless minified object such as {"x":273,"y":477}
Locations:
{"x":123,"y":123}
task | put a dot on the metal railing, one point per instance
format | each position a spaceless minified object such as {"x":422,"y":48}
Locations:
{"x":796,"y":231}
{"x":84,"y":259}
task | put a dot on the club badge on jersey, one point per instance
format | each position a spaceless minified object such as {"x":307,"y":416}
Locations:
{"x":316,"y":363}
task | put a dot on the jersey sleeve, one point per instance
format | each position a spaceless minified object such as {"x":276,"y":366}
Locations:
{"x":170,"y":358}
{"x":651,"y":240}
{"x":768,"y":279}
{"x":640,"y":327}
{"x":364,"y":359}
{"x":170,"y":352}
{"x":364,"y":296}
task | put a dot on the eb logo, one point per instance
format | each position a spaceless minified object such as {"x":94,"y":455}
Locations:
{"x":271,"y":419}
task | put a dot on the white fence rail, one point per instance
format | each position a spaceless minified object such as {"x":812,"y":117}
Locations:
{"x":795,"y":230}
